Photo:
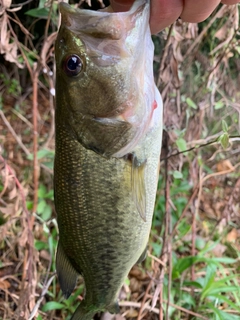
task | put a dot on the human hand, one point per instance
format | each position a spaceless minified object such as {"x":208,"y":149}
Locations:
{"x":165,"y":12}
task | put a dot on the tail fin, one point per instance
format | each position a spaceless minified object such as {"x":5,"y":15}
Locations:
{"x":82,"y":313}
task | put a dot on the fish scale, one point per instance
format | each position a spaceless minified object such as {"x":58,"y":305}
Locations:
{"x":97,"y":191}
{"x":107,"y":153}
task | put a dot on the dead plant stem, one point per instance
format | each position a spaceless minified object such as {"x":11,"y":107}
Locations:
{"x":204,"y":32}
{"x":168,"y":239}
{"x":35,"y":141}
{"x":144,"y":300}
{"x":164,"y":54}
{"x":185,"y":210}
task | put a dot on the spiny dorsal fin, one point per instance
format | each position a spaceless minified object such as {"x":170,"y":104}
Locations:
{"x":138,"y":185}
{"x":67,"y":275}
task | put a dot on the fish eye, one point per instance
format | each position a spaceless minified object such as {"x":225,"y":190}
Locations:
{"x":72,"y":65}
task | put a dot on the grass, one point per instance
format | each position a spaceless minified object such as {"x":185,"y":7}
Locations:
{"x":192,"y":268}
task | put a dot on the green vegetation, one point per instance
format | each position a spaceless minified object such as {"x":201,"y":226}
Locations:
{"x":193,"y":262}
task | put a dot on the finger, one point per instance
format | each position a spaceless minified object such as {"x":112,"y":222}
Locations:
{"x":163,"y":13}
{"x":197,"y":11}
{"x":229,"y":2}
{"x":121,"y":5}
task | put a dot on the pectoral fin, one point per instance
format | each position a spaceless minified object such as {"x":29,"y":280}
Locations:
{"x":67,"y":275}
{"x":138,"y":186}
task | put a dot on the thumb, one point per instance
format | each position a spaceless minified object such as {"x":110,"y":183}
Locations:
{"x":121,"y":5}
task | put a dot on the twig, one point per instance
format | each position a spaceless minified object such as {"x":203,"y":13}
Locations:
{"x":156,"y":259}
{"x":164,"y":54}
{"x":18,"y":114}
{"x":158,"y":294}
{"x":204,"y":31}
{"x":48,"y":21}
{"x":44,"y":291}
{"x":35,"y":140}
{"x":167,"y":239}
{"x":20,"y":188}
{"x":220,"y":173}
{"x":10,"y":128}
{"x":28,"y":257}
{"x":19,"y":141}
{"x":138,"y":305}
{"x":21,"y":4}
{"x":156,"y":310}
{"x":185,"y":210}
{"x":143,"y":303}
{"x":193,"y":250}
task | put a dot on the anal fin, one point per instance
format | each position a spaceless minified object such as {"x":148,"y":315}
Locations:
{"x":67,"y":275}
{"x":138,"y":185}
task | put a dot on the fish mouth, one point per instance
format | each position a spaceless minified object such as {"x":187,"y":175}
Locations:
{"x":102,"y":24}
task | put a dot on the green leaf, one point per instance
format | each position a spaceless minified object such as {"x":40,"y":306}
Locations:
{"x":181,"y":265}
{"x":41,"y":206}
{"x":194,"y":284}
{"x":40,"y":245}
{"x":47,"y":213}
{"x":43,"y":153}
{"x":156,"y":249}
{"x":216,"y":312}
{"x":38,"y":13}
{"x":229,"y":302}
{"x":181,"y":144}
{"x":177,"y":174}
{"x":224,"y":140}
{"x":218,"y":260}
{"x":219,"y":105}
{"x":208,"y":247}
{"x":224,"y":126}
{"x":218,"y":288}
{"x":191,"y":103}
{"x":52,"y":305}
{"x":48,"y":164}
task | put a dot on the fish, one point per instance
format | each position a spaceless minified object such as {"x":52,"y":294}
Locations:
{"x":108,"y":132}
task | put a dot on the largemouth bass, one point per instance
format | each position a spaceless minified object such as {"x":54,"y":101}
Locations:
{"x":108,"y":140}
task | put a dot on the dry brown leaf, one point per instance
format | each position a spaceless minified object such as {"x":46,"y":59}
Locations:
{"x":221,"y":34}
{"x":9,"y":210}
{"x":4,"y":39}
{"x":13,"y":193}
{"x":218,"y":250}
{"x":23,"y":239}
{"x":8,"y":45}
{"x":224,"y":166}
{"x":232,"y":236}
{"x":44,"y":254}
{"x":132,"y":313}
{"x":4,"y":284}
